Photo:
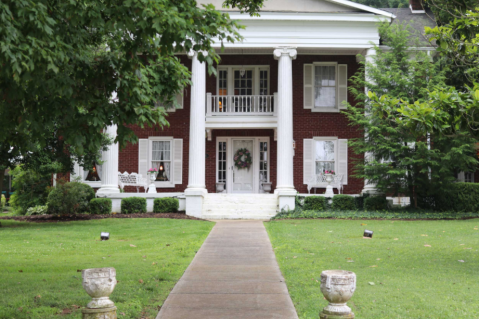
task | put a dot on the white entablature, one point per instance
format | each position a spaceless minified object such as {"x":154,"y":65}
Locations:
{"x":337,"y":24}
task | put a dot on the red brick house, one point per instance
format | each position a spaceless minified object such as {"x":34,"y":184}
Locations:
{"x":277,"y":98}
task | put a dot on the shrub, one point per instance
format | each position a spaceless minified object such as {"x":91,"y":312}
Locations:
{"x":31,"y":189}
{"x":344,"y":202}
{"x":3,"y":202}
{"x":314,"y":203}
{"x":132,"y":205}
{"x":375,"y":203}
{"x":100,"y":206}
{"x":68,"y":198}
{"x":166,"y":205}
{"x":360,"y":200}
{"x":460,"y":197}
{"x":37,"y":210}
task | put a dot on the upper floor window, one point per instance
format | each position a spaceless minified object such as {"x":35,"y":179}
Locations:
{"x":243,"y":80}
{"x":325,"y":86}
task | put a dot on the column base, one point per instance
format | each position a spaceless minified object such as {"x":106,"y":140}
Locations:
{"x":370,"y":189}
{"x":194,"y":201}
{"x":108,"y":189}
{"x":286,"y":198}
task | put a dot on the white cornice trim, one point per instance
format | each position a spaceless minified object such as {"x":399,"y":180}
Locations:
{"x":308,"y":16}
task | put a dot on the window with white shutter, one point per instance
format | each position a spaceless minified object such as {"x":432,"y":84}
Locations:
{"x":170,"y":107}
{"x":325,"y":86}
{"x":166,"y":155}
{"x":178,"y":160}
{"x":308,"y":160}
{"x":322,"y":154}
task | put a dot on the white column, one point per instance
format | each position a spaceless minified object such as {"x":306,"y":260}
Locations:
{"x":369,"y":187}
{"x":109,"y":171}
{"x":284,"y":106}
{"x":196,"y":189}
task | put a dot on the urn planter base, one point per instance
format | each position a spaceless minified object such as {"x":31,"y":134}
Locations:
{"x":101,"y":313}
{"x":324,"y":315}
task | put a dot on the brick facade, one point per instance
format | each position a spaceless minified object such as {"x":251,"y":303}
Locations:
{"x":306,"y":124}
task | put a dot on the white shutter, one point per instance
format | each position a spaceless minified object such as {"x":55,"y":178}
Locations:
{"x":342,"y":85}
{"x":343,"y":159}
{"x":308,"y":160}
{"x":143,"y":157}
{"x":308,"y":92}
{"x":179,"y":100}
{"x":178,"y":161}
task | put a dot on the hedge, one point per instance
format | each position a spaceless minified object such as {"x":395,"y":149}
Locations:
{"x":375,"y":203}
{"x":343,"y":202}
{"x":314,"y":203}
{"x":166,"y":205}
{"x":358,"y":214}
{"x":100,"y":206}
{"x":460,"y":197}
{"x":68,"y":198}
{"x":133,"y":205}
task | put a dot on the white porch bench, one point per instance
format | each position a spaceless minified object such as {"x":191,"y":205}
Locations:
{"x":133,"y":179}
{"x":319,"y":181}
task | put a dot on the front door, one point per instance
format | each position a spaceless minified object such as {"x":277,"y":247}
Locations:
{"x":243,"y":177}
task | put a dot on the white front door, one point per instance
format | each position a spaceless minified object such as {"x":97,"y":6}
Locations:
{"x":243,"y":177}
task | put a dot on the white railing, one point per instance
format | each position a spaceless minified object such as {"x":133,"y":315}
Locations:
{"x":240,"y":104}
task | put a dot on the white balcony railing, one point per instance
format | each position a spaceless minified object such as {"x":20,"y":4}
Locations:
{"x":240,"y":104}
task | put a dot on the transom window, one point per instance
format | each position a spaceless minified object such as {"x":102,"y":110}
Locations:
{"x":325,"y":157}
{"x":324,"y":86}
{"x":161,"y":160}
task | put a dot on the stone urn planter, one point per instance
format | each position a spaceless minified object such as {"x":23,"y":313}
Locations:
{"x":329,"y":188}
{"x":338,"y":287}
{"x":220,"y":187}
{"x":266,"y":186}
{"x":99,"y":284}
{"x":152,"y":186}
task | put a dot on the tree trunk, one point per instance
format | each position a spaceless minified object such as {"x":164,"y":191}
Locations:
{"x":2,"y":177}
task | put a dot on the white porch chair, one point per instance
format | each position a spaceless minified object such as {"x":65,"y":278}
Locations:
{"x":319,"y":181}
{"x":133,"y":179}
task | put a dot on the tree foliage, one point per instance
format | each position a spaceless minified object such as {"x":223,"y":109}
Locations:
{"x":63,"y":59}
{"x":404,"y":157}
{"x":457,"y":37}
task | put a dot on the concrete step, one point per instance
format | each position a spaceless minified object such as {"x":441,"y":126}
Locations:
{"x":239,"y":206}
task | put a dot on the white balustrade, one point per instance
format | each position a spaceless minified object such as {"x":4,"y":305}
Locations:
{"x":240,"y":104}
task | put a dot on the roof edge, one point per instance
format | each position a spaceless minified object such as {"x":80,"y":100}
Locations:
{"x":363,"y":7}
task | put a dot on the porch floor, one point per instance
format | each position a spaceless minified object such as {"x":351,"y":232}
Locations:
{"x":234,"y":275}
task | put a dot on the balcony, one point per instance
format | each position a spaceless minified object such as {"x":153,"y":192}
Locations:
{"x":240,"y":105}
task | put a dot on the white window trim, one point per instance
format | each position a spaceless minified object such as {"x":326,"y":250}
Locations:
{"x":462,"y":178}
{"x":170,"y":183}
{"x":79,"y":171}
{"x":327,"y":138}
{"x":326,"y":109}
{"x":230,"y":77}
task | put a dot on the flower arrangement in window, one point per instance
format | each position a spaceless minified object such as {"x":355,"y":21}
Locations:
{"x":330,"y":172}
{"x":242,"y":159}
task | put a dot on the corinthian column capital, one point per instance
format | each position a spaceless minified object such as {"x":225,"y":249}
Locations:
{"x":287,"y":51}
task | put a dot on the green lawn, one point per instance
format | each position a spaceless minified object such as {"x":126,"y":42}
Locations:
{"x":39,"y":264}
{"x":397,"y":275}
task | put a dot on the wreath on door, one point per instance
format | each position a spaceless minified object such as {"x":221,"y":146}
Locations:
{"x":242,"y":158}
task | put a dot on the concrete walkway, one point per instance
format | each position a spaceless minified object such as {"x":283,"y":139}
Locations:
{"x":233,"y":275}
